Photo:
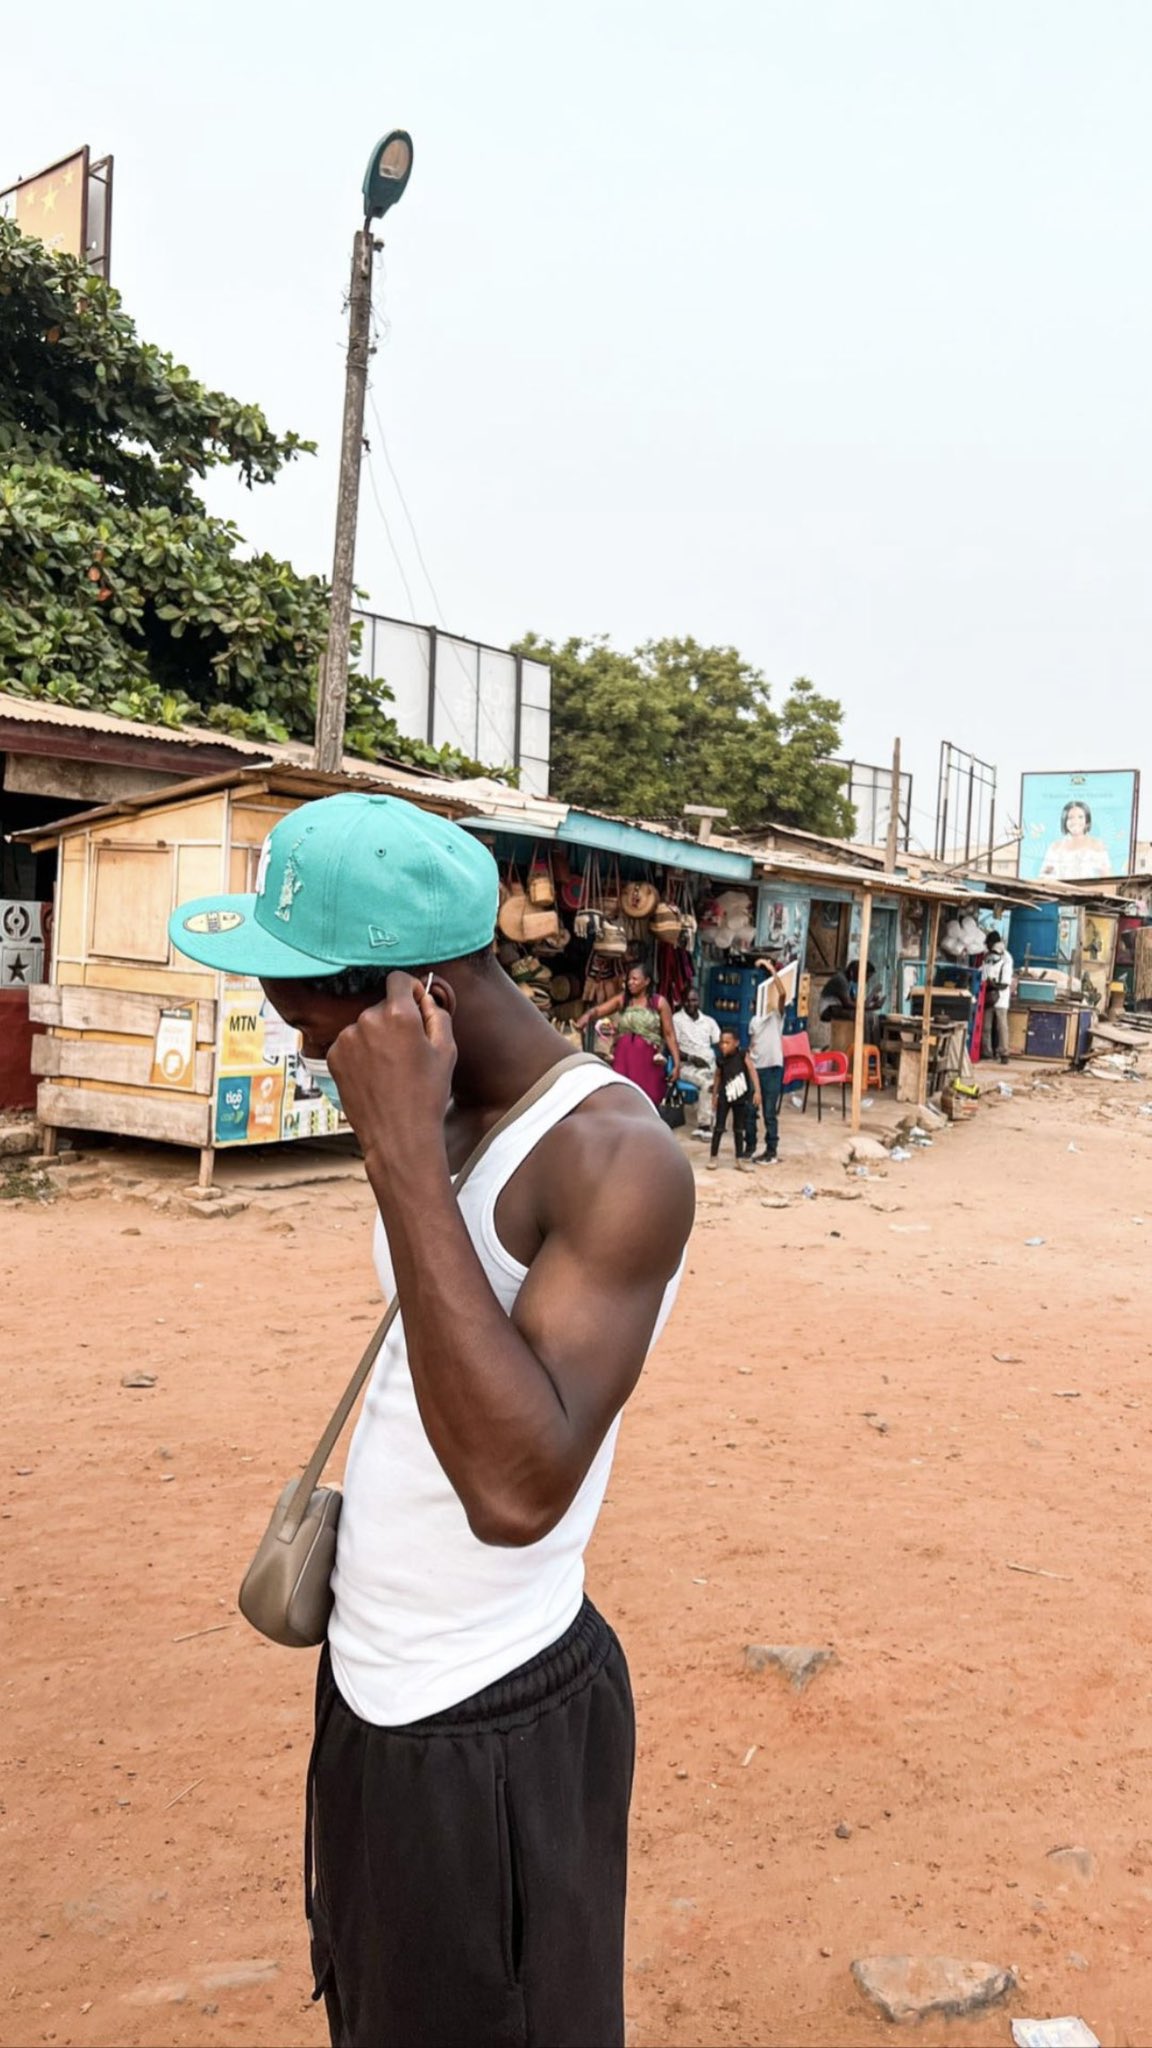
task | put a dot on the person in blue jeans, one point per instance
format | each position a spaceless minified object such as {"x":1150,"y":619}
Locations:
{"x":766,"y":1046}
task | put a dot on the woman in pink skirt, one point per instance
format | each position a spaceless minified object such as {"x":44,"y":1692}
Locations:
{"x":644,"y":1035}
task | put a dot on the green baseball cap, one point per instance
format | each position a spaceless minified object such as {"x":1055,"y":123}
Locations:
{"x":350,"y":881}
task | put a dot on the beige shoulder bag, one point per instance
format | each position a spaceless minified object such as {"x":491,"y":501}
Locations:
{"x":287,"y":1591}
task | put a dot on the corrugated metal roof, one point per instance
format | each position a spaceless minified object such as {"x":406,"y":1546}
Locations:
{"x":277,"y":778}
{"x":34,"y":711}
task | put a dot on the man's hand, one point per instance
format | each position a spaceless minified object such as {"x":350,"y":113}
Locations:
{"x":393,"y":1068}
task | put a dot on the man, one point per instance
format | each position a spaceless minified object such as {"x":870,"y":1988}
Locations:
{"x":999,"y":967}
{"x":735,"y":1090}
{"x":472,"y":1762}
{"x":697,"y":1036}
{"x":766,"y":1048}
{"x":840,"y":992}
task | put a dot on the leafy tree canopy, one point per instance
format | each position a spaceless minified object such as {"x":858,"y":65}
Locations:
{"x":117,"y":588}
{"x":674,"y":723}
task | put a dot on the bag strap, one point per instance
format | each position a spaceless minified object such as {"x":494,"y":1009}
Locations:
{"x":344,"y":1406}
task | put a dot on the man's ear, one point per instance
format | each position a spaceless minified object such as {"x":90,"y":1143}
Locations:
{"x":443,"y":995}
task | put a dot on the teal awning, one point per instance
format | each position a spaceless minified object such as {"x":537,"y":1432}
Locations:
{"x":636,"y":842}
{"x":627,"y":842}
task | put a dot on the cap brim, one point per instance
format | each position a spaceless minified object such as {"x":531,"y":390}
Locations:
{"x":222,"y":932}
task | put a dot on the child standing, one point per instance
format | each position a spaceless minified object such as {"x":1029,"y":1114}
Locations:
{"x":735,"y":1093}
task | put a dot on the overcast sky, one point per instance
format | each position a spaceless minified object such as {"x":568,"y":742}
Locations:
{"x":822,"y":327}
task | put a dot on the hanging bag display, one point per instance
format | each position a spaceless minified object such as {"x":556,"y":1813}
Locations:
{"x":541,"y":888}
{"x":589,"y":920}
{"x":538,"y":926}
{"x":666,"y":924}
{"x":287,"y":1589}
{"x":638,"y":899}
{"x":510,"y":916}
{"x":539,"y":920}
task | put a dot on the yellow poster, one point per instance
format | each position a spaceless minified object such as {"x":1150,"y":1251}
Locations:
{"x":241,"y":1031}
{"x":51,"y":205}
{"x":174,"y":1050}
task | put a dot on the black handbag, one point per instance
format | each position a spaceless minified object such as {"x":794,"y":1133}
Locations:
{"x":672,"y":1110}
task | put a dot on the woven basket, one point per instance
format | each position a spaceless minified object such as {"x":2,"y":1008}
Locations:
{"x":639,"y":899}
{"x":537,"y":924}
{"x":513,"y":904}
{"x":666,"y":923}
{"x":540,"y":887}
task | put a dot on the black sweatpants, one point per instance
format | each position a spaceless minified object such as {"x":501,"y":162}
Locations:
{"x":470,"y":1870}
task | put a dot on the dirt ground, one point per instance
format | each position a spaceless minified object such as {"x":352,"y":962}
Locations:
{"x":865,"y":1412}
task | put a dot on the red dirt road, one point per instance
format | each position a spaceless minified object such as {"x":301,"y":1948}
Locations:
{"x":977,"y":1718}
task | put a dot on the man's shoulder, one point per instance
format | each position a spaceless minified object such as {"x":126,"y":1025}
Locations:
{"x":613,"y":1139}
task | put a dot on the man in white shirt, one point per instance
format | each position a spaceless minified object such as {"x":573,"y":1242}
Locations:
{"x":766,"y":1045}
{"x":472,"y":1763}
{"x":697,"y":1036}
{"x":998,"y":970}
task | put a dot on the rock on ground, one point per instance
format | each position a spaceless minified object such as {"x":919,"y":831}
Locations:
{"x":19,"y":1137}
{"x":923,"y":1987}
{"x":864,"y":1152}
{"x":925,"y":1118}
{"x":1073,"y":1857}
{"x":795,"y":1663}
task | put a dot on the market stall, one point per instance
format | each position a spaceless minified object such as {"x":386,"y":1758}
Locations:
{"x":140,"y":1041}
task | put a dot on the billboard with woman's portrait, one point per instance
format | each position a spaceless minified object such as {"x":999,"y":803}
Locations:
{"x":1078,"y":827}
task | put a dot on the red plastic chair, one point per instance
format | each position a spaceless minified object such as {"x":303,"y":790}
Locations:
{"x":817,"y":1070}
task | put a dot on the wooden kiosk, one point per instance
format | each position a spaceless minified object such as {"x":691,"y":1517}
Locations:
{"x":142,"y":1042}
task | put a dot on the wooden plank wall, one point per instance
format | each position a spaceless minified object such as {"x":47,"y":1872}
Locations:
{"x":143,"y":1113}
{"x":114,"y":971}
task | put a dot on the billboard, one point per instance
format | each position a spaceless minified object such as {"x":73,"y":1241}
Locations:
{"x":488,"y":702}
{"x":68,"y":207}
{"x":1078,"y":827}
{"x":869,"y":791}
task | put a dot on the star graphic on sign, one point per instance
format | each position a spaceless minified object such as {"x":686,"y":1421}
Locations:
{"x":50,"y":199}
{"x":18,"y":970}
{"x":69,"y":174}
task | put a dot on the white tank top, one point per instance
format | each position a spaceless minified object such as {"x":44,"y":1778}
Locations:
{"x":425,"y":1615}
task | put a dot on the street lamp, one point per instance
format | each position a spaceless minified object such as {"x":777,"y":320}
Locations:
{"x":388,"y":172}
{"x":389,"y":169}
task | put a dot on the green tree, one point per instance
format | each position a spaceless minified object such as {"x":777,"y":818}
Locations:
{"x":117,"y":588}
{"x":674,"y":723}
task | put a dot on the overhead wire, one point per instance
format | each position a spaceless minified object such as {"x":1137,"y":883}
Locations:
{"x":380,"y":330}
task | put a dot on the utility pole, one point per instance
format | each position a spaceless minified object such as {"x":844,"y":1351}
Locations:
{"x":389,"y":169}
{"x":893,"y":846}
{"x":332,"y":699}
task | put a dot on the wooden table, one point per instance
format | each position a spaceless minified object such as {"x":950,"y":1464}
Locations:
{"x":901,"y":1041}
